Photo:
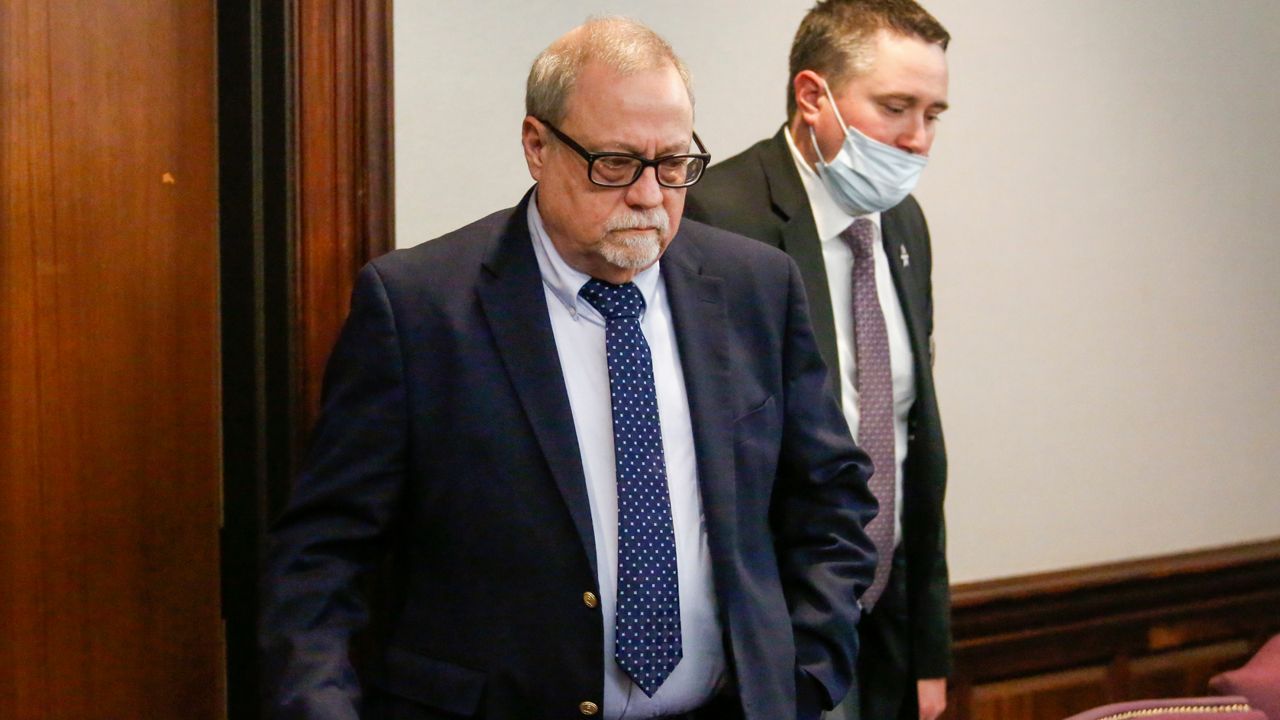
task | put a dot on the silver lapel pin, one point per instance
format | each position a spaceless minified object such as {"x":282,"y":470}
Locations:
{"x":902,"y":254}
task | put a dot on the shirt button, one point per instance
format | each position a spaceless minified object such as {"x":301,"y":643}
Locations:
{"x":589,"y":599}
{"x":586,"y":707}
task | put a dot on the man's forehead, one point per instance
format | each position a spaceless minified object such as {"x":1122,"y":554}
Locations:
{"x":910,"y":52}
{"x":635,"y":111}
{"x":661,"y":83}
{"x":637,"y":139}
{"x":903,"y":65}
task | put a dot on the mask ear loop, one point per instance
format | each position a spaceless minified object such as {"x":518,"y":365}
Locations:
{"x":835,"y":108}
{"x":813,"y":136}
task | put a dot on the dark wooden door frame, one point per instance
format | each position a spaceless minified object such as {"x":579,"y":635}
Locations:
{"x":305,"y":200}
{"x":257,"y":307}
{"x":343,"y":171}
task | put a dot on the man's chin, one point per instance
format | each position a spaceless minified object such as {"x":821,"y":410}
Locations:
{"x":632,"y":249}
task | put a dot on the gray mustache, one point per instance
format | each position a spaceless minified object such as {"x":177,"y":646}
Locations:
{"x":655,"y":218}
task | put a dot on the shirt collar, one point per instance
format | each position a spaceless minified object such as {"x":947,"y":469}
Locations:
{"x":564,"y":281}
{"x":828,"y":216}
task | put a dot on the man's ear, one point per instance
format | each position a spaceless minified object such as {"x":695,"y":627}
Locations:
{"x":533,"y":138}
{"x":810,"y":95}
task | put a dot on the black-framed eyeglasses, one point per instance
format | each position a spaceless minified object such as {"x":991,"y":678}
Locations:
{"x":615,"y":170}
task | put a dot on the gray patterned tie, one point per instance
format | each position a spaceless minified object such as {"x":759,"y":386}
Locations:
{"x":875,"y":397}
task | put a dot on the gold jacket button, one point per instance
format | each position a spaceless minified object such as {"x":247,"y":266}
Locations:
{"x":588,"y":708}
{"x":590,"y":600}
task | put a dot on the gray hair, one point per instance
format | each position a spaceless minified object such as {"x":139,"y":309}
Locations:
{"x":624,"y":45}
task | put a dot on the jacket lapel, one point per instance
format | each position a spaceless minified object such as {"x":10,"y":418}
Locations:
{"x":701,"y":325}
{"x":515,"y":306}
{"x":894,"y":238}
{"x":800,"y":241}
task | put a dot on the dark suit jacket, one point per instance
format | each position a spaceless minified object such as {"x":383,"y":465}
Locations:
{"x":758,"y":193}
{"x":446,"y":437}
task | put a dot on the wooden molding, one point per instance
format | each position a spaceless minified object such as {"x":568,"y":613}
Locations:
{"x":1141,"y":571}
{"x":342,"y":170}
{"x":1117,"y":631}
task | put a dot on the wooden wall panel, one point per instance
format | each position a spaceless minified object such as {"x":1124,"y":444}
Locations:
{"x":1184,"y":673}
{"x":1052,"y":695}
{"x":343,"y":170}
{"x":25,"y":176}
{"x":1037,"y":647}
{"x":110,"y":474}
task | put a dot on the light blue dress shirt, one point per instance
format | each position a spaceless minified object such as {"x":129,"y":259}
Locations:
{"x":579,"y":333}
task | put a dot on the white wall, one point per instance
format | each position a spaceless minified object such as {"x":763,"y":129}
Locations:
{"x":1102,"y":199}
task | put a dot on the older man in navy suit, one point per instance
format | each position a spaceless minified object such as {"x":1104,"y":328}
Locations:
{"x":598,"y":443}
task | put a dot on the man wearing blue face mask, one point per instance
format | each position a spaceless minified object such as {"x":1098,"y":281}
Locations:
{"x":832,"y":188}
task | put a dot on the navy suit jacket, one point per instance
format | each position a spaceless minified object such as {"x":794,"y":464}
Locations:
{"x":446,"y":439}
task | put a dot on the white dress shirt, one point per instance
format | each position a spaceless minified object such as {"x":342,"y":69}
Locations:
{"x":579,"y":333}
{"x":831,"y":220}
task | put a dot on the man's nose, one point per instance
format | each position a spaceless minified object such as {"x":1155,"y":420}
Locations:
{"x":645,"y":192}
{"x":916,"y":137}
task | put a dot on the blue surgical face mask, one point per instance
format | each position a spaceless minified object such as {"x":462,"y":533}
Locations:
{"x":866,"y":176}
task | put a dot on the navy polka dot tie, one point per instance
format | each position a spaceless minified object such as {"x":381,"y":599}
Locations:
{"x":875,"y":398}
{"x":647,"y":623}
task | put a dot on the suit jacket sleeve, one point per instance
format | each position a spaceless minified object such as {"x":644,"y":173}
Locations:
{"x":931,"y":631}
{"x":821,"y":506}
{"x":929,"y":585}
{"x":332,"y":530}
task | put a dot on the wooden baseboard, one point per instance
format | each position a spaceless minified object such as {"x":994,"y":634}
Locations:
{"x":1053,"y":644}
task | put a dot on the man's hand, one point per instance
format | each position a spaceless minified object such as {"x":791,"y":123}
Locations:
{"x":932,"y":695}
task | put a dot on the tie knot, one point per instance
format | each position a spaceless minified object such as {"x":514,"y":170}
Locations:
{"x":613,"y":301}
{"x":860,"y":235}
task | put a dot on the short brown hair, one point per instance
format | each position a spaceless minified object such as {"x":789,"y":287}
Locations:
{"x":834,"y":37}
